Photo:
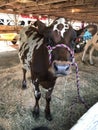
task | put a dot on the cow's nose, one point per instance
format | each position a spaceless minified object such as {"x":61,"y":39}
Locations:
{"x":55,"y":67}
{"x":61,"y":69}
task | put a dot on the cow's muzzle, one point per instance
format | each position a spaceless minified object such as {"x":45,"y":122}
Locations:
{"x":60,"y":68}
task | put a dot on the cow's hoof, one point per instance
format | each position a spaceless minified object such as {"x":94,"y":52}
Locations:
{"x":36,"y":113}
{"x":83,"y":61}
{"x":24,"y":85}
{"x":48,"y":117}
{"x":91,"y":63}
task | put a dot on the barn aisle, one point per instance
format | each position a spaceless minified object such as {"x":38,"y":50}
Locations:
{"x":7,"y":46}
{"x":16,"y":105}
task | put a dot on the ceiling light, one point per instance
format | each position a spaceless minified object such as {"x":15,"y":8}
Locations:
{"x":72,"y":10}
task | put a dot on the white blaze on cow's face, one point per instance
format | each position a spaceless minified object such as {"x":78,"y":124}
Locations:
{"x":64,"y":28}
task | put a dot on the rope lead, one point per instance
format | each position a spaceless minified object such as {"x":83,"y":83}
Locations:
{"x":50,"y":49}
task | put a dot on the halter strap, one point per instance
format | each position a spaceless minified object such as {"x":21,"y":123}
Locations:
{"x":50,"y":49}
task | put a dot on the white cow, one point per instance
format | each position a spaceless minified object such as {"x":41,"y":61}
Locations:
{"x":93,"y":42}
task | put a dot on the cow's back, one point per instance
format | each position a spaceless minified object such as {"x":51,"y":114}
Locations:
{"x":28,"y":40}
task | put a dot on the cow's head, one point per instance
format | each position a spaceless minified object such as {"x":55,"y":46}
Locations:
{"x":59,"y":54}
{"x":57,"y":32}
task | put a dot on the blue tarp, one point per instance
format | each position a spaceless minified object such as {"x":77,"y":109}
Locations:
{"x":87,"y":35}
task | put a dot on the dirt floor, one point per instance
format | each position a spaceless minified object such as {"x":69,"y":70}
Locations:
{"x":16,"y":105}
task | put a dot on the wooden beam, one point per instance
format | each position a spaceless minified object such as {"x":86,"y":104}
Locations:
{"x":75,"y":16}
{"x":49,"y":7}
{"x":6,"y":28}
{"x":89,"y":121}
{"x":44,"y":2}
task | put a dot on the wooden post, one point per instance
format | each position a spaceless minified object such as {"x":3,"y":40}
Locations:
{"x":89,"y":121}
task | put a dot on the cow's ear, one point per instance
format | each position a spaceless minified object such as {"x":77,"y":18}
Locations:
{"x":40,"y":25}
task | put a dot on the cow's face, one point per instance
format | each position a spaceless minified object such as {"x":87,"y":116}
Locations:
{"x":60,"y":61}
{"x":59,"y":54}
{"x":55,"y":33}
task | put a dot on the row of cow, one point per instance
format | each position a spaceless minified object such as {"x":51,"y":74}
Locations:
{"x":48,"y":52}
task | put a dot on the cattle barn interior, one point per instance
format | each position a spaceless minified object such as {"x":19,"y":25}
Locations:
{"x":16,"y":105}
{"x":84,"y":10}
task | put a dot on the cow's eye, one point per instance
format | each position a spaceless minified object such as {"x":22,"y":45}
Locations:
{"x":66,"y":26}
{"x":49,"y":42}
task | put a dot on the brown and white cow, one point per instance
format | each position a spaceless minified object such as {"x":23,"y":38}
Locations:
{"x":93,"y":42}
{"x":43,"y":51}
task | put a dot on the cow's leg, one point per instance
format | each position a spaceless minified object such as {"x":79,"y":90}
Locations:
{"x":47,"y":108}
{"x":90,"y":55}
{"x":24,"y":85}
{"x":37,"y":95}
{"x":85,"y":49}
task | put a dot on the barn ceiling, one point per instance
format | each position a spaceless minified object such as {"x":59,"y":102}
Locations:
{"x":85,"y":10}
